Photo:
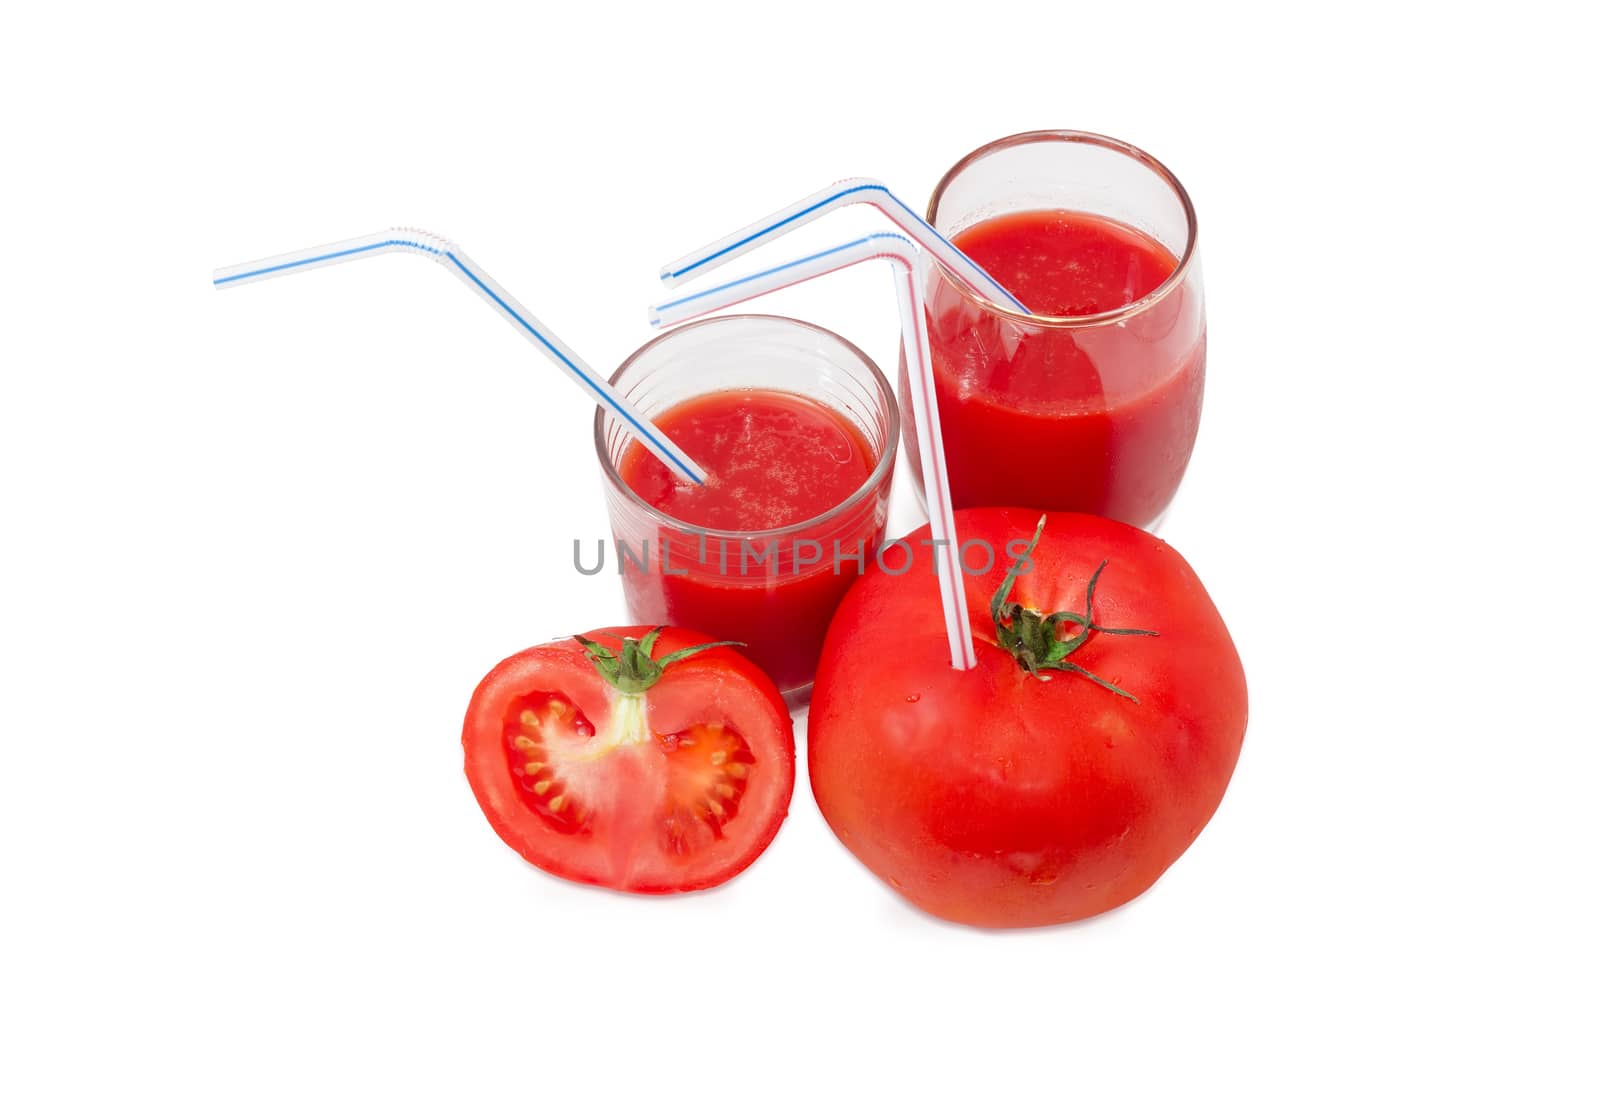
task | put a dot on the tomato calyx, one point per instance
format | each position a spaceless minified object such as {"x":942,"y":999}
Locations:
{"x":631,"y":670}
{"x":1035,"y":639}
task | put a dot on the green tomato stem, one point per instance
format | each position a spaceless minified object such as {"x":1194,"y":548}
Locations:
{"x":631,"y":670}
{"x":1033,"y":637}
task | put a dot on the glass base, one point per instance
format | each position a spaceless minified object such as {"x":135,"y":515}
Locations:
{"x":798,"y":698}
{"x":1154,"y":526}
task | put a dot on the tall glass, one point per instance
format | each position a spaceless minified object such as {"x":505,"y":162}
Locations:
{"x":774,"y":589}
{"x":1093,"y":413}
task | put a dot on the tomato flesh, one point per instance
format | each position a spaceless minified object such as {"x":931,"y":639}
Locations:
{"x":708,"y":770}
{"x":676,"y":788}
{"x":544,"y":737}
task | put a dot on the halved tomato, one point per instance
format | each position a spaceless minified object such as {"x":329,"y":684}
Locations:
{"x":604,"y":765}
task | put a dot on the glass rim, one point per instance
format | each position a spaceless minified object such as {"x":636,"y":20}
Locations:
{"x":880,"y":470}
{"x":1127,"y":149}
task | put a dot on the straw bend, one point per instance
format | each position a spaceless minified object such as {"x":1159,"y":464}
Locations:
{"x":452,"y":257}
{"x":840,"y":194}
{"x":398,"y":240}
{"x":919,"y":363}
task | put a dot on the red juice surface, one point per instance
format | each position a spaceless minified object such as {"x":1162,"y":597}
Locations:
{"x":1098,"y":419}
{"x":774,"y":459}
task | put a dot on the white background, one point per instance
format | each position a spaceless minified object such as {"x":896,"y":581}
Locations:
{"x":259,"y":547}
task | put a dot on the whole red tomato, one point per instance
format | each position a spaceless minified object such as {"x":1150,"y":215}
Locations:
{"x":649,"y":760}
{"x":1072,"y":766}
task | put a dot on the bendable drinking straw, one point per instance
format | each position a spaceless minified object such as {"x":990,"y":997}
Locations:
{"x":919,"y":362}
{"x":442,"y":250}
{"x":831,"y":198}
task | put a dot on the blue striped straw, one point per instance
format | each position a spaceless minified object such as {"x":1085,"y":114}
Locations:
{"x":842,"y":194}
{"x":442,"y":250}
{"x":910,"y":264}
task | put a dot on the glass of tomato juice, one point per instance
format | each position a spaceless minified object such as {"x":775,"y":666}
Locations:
{"x":1092,"y":402}
{"x":797,"y":429}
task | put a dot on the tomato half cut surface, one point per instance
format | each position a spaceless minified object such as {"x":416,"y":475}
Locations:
{"x":652,"y":761}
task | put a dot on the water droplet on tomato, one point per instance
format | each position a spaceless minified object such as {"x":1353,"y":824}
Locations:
{"x":913,"y":697}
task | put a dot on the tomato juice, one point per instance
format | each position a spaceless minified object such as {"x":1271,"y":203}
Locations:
{"x":1067,"y":412}
{"x":764,"y":552}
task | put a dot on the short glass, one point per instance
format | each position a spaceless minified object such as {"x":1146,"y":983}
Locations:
{"x":775,"y":589}
{"x":1093,"y":413}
